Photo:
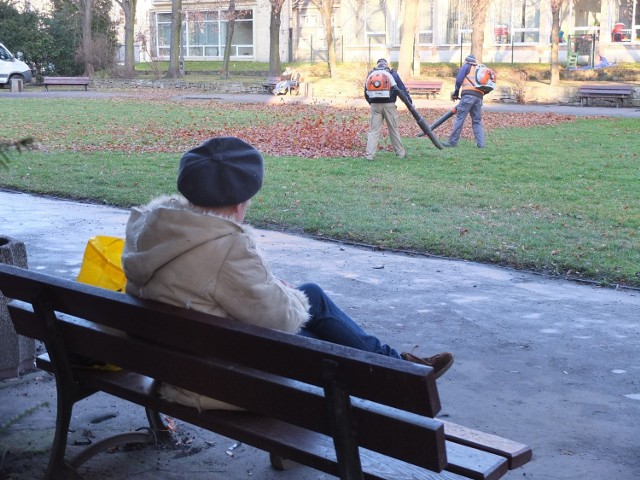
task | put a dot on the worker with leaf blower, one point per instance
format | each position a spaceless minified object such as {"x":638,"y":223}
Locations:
{"x":473,"y":82}
{"x":381,"y":92}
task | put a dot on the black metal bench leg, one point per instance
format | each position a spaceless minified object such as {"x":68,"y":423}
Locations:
{"x":161,"y":431}
{"x":126,"y":438}
{"x":342,"y":426}
{"x":56,"y":465}
{"x":67,"y":390}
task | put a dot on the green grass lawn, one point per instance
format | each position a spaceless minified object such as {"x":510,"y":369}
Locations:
{"x":560,"y":199}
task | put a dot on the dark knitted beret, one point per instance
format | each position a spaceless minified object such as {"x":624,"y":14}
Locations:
{"x":220,"y":172}
{"x":471,"y":59}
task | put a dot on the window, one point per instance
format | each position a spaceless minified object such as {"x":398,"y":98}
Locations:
{"x":456,"y":24}
{"x":375,"y":18}
{"x":354,"y":25}
{"x":204,"y":33}
{"x":163,"y":24}
{"x":310,"y":20}
{"x":4,"y":55}
{"x":526,"y":21}
{"x":425,"y":25}
{"x":501,"y":27}
{"x":636,"y":22}
{"x":628,"y":14}
{"x":586,"y":14}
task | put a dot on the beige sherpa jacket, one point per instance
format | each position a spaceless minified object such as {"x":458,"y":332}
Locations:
{"x":177,"y":254}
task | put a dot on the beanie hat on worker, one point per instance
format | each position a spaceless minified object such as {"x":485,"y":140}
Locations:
{"x":471,"y":59}
{"x":220,"y":172}
{"x":382,"y":63}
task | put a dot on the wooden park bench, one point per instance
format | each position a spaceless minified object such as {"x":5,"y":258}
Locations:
{"x":425,"y":87}
{"x":614,"y":93}
{"x":349,"y":413}
{"x":270,"y":83}
{"x":81,"y":81}
{"x":294,"y":86}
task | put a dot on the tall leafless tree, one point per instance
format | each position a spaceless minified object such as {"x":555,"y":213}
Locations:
{"x":231,"y":23}
{"x":407,"y":40}
{"x":326,"y":12}
{"x":556,"y":5}
{"x":175,"y":45}
{"x":478,"y":20}
{"x":87,"y":54}
{"x":129,"y":9}
{"x":275,"y":65}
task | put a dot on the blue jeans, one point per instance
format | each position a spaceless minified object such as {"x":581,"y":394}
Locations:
{"x":469,"y":104}
{"x":331,"y":324}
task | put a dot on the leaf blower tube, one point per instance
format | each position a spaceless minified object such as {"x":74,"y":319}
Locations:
{"x":444,"y":118}
{"x":419,"y":119}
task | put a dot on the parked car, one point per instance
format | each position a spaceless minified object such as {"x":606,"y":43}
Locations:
{"x":12,"y":68}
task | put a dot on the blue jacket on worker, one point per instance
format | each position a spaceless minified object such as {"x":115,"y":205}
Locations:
{"x":470,"y":104}
{"x":384,"y":65}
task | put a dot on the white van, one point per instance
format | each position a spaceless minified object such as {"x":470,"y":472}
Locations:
{"x":11,"y":67}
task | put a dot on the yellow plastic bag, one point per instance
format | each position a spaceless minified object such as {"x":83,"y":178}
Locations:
{"x":102,"y":267}
{"x":102,"y":263}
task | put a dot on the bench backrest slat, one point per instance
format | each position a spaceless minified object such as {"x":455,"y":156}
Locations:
{"x":624,"y":89}
{"x":66,"y":80}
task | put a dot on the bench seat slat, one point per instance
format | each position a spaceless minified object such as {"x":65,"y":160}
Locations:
{"x":516,"y":453}
{"x":474,"y":463}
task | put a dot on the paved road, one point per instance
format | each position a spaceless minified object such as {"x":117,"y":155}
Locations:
{"x":550,"y":363}
{"x":632,"y":112}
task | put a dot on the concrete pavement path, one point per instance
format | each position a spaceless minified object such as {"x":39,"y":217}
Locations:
{"x":546,"y":362}
{"x":419,"y":102}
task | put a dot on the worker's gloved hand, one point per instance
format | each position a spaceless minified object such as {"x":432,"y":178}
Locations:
{"x":455,"y":95}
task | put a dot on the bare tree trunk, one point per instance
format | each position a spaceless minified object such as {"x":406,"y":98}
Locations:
{"x":555,"y":34}
{"x":409,"y":29}
{"x":87,"y":36}
{"x":326,"y":11}
{"x":174,"y":49}
{"x":231,"y":24}
{"x":478,"y":19}
{"x":275,"y":65}
{"x":331,"y":44}
{"x":129,"y":9}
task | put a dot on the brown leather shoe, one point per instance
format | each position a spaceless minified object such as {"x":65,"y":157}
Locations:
{"x":440,"y":362}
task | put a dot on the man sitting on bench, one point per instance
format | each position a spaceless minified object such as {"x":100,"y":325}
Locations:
{"x":285,"y":83}
{"x":194,"y":251}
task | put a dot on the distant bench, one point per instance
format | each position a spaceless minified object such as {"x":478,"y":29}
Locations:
{"x":615,"y":93}
{"x":426,"y":87}
{"x":349,"y":413}
{"x":270,"y":83}
{"x":81,"y":81}
{"x":294,"y":84}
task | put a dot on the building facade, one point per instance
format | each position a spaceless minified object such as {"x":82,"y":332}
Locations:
{"x":515,"y":31}
{"x":364,"y":30}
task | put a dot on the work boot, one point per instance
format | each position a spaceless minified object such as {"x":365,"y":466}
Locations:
{"x":447,"y":144}
{"x":440,"y":362}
